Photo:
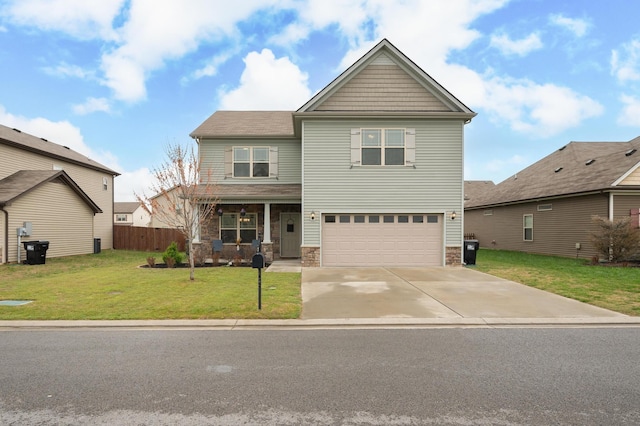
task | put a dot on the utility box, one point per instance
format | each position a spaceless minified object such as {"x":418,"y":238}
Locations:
{"x":257,"y":261}
{"x":97,"y":245}
{"x":470,"y":249}
{"x":36,"y":252}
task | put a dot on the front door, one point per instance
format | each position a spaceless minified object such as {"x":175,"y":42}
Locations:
{"x":290,"y":235}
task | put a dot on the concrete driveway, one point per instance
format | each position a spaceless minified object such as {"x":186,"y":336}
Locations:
{"x":337,"y":293}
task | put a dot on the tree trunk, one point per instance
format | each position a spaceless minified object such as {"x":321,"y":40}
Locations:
{"x":192,"y":268}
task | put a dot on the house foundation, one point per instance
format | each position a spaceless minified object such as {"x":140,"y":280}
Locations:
{"x":453,"y":256}
{"x":310,"y":256}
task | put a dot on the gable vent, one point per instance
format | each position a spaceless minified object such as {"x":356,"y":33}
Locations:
{"x":591,"y":161}
{"x":630,"y":152}
{"x":558,"y":169}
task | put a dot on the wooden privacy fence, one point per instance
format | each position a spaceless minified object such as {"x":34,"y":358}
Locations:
{"x":146,"y":239}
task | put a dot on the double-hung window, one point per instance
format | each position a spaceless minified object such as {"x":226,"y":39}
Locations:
{"x":251,"y":162}
{"x":527,"y":225}
{"x":383,"y":147}
{"x":234,"y":226}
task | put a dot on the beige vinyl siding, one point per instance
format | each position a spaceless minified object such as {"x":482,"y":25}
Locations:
{"x":632,"y":179}
{"x":3,"y":249}
{"x":212,"y":156}
{"x":623,"y":204}
{"x":89,"y":180}
{"x":382,"y":88}
{"x":57,"y":215}
{"x":331,"y":185}
{"x":555,"y":232}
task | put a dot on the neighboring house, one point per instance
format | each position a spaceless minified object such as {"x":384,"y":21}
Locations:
{"x":66,"y":197}
{"x":369,"y":172}
{"x":130,"y":214}
{"x":547,"y":208}
{"x":165,"y":208}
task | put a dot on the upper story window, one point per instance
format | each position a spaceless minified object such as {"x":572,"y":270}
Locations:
{"x":121,"y":217}
{"x":383,"y":147}
{"x":105,"y":183}
{"x":251,"y":162}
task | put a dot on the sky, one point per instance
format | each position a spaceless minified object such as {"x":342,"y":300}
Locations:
{"x":120,"y":80}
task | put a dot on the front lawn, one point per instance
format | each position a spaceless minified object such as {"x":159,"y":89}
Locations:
{"x":611,"y":287}
{"x":109,"y":285}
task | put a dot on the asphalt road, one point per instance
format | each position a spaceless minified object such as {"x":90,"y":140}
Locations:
{"x":324,"y":377}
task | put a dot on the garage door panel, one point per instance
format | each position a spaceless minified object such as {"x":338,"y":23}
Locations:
{"x":412,"y":243}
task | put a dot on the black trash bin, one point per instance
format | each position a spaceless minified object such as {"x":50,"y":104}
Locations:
{"x":36,"y":252}
{"x":470,"y":249}
{"x":97,"y":245}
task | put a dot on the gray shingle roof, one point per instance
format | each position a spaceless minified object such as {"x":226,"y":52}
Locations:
{"x":258,"y":191}
{"x":19,"y":139}
{"x":20,"y":183}
{"x":477,"y":188}
{"x":125,"y":207}
{"x":246,"y":123}
{"x":566,"y":171}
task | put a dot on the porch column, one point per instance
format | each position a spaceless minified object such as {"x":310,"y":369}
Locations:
{"x":267,"y":223}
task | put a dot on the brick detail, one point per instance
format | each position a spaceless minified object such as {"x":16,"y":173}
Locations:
{"x":267,"y":249}
{"x":310,"y":256}
{"x":453,"y":256}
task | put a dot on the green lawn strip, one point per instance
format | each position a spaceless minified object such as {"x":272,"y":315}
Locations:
{"x":614,"y":288}
{"x":111,"y":286}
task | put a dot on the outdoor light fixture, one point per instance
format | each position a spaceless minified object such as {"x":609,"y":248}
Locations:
{"x":453,"y":215}
{"x":243,"y":212}
{"x":312,"y":215}
{"x":220,"y":211}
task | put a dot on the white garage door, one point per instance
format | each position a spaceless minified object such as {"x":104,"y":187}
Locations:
{"x":382,"y":240}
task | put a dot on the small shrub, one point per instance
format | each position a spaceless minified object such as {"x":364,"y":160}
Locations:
{"x":216,"y":259}
{"x":151,"y":261}
{"x":172,"y":253}
{"x":615,"y":240}
{"x":170,"y":261}
{"x":237,"y":260}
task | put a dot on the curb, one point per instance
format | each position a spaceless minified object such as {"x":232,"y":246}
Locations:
{"x":314,"y":324}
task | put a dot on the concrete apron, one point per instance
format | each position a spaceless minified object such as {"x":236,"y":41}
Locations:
{"x":448,"y":293}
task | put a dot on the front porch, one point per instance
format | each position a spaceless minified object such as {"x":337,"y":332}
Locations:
{"x":230,"y":232}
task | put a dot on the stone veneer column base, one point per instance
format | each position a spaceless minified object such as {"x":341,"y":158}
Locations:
{"x":310,"y":256}
{"x":453,"y":256}
{"x":267,"y":250}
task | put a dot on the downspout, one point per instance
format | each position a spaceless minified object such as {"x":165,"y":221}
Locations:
{"x":5,"y":251}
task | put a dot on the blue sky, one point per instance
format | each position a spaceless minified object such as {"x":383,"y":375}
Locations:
{"x":118,"y":80}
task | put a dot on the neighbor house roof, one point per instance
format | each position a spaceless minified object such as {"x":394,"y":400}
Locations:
{"x":233,"y":124}
{"x":477,"y":188}
{"x":20,"y":183}
{"x":578,"y":167}
{"x":17,"y":138}
{"x":125,"y":207}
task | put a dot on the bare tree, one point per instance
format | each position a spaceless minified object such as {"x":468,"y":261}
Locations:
{"x":616,"y":240}
{"x":183,"y":197}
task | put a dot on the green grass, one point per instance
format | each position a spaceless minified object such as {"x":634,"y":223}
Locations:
{"x":110,"y":285}
{"x":611,"y":287}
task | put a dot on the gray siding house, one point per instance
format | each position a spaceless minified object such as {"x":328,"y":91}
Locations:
{"x":368,"y":172}
{"x":547,"y":208}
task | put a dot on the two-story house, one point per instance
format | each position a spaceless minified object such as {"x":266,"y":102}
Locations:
{"x":130,"y":213}
{"x":368,"y":172}
{"x":63,"y":196}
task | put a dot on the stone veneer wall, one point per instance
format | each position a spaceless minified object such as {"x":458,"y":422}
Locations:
{"x":310,"y":256}
{"x":453,"y":256}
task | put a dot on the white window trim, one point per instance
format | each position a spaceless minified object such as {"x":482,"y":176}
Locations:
{"x":383,"y":146}
{"x":251,"y":161}
{"x":119,"y":217}
{"x":238,"y":229}
{"x":524,"y":228}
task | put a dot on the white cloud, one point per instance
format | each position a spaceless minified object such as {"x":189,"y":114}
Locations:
{"x":134,"y":182}
{"x":579,"y":27}
{"x":625,"y":63}
{"x":80,"y":18}
{"x":68,"y":70}
{"x":520,"y":47}
{"x":537,"y":109}
{"x":92,"y":105}
{"x":267,"y":83}
{"x":159,"y":31}
{"x":630,"y":115}
{"x":210,"y":69}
